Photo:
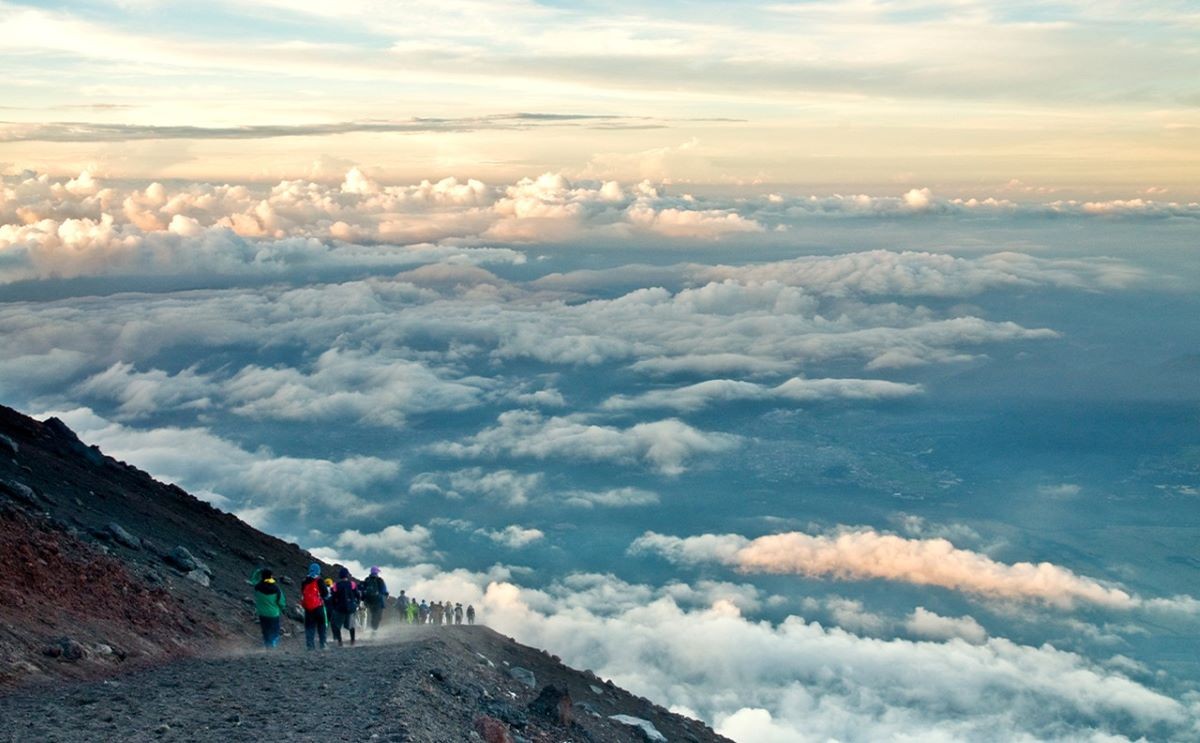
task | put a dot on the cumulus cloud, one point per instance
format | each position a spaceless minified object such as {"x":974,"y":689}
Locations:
{"x":664,"y":446}
{"x":266,"y":486}
{"x":611,"y":498}
{"x":690,"y":647}
{"x":373,"y":389}
{"x":85,"y":226}
{"x":849,"y":614}
{"x":505,"y":486}
{"x":512,"y":536}
{"x":810,"y":682}
{"x":796,"y":389}
{"x":919,"y":273}
{"x":864,"y":554}
{"x":932,"y":626}
{"x":140,"y":394}
{"x":413,"y":544}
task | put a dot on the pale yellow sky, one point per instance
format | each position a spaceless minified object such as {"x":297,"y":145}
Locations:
{"x":1074,"y":98}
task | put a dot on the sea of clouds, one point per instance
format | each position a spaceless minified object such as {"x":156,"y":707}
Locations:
{"x":659,"y":433}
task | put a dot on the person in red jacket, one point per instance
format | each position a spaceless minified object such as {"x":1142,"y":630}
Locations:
{"x":313,"y":595}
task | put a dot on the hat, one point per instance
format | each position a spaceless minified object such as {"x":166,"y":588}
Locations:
{"x":343,"y":573}
{"x":374,"y":571}
{"x":314,"y":570}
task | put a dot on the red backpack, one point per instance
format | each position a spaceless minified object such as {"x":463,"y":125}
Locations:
{"x":310,"y":594}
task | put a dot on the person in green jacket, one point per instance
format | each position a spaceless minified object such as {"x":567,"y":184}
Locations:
{"x":410,"y":612}
{"x":268,"y":603}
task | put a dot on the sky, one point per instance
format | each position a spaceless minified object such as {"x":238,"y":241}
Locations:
{"x":824,"y":371}
{"x":1091,"y":98}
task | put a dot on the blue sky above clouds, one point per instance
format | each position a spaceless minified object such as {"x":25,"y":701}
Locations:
{"x":823,"y":370}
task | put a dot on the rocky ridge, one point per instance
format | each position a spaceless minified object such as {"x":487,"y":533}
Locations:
{"x":133,"y":592}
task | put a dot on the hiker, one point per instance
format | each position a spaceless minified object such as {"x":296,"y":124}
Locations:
{"x":458,"y":613}
{"x":374,"y":593}
{"x":437,"y":612}
{"x":410,"y":612}
{"x":402,"y":604}
{"x":423,"y":613}
{"x":335,"y":629}
{"x":268,"y":604}
{"x":345,"y":602}
{"x":470,"y":614}
{"x":313,"y":595}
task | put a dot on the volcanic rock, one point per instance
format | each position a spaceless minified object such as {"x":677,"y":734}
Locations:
{"x":524,"y":675}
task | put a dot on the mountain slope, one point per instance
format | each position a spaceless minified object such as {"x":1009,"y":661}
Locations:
{"x":115,"y":576}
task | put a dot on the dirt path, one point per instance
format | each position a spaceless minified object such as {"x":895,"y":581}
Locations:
{"x":417,"y":684}
{"x":282,"y":695}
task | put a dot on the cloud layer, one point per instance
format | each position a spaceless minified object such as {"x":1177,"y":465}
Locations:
{"x":865,"y":554}
{"x":85,"y":226}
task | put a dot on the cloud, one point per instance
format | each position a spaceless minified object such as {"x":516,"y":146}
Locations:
{"x":87,"y":226}
{"x":849,"y":614}
{"x":797,"y":389}
{"x":664,"y":445}
{"x":413,"y":544}
{"x":80,"y":131}
{"x":919,"y":273}
{"x":817,"y":683}
{"x":367,"y":388}
{"x":865,"y":554}
{"x":932,"y":626}
{"x":1061,"y":490}
{"x":141,"y":394}
{"x":687,"y":646}
{"x":512,"y":536}
{"x":612,"y":498}
{"x":504,"y":486}
{"x":266,"y":487}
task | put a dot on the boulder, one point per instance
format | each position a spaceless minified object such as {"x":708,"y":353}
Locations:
{"x":524,"y":675}
{"x":650,"y":733}
{"x":553,"y":704}
{"x":23,"y":666}
{"x":19,"y":492}
{"x":123,"y":537}
{"x":506,"y":713}
{"x":198,"y":576}
{"x":8,"y":443}
{"x":66,"y":649}
{"x":492,"y":730}
{"x":185,"y":561}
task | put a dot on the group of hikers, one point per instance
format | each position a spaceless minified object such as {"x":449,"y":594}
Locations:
{"x":343,"y":606}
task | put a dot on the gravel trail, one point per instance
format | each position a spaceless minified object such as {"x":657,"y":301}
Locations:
{"x":418,"y":684}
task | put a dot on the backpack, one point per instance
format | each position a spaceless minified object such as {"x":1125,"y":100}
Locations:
{"x":310,"y":594}
{"x":345,"y":597}
{"x":372,"y":596}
